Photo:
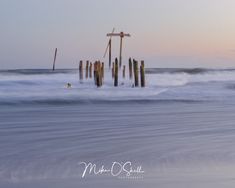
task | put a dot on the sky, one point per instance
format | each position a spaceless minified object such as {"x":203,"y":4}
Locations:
{"x":164,"y":33}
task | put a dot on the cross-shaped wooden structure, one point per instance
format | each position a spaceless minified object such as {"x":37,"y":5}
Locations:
{"x":121,"y":35}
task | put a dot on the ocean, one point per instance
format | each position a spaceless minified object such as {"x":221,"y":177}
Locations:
{"x":177,"y":132}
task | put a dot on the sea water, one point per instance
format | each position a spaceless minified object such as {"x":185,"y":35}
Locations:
{"x":180,"y":129}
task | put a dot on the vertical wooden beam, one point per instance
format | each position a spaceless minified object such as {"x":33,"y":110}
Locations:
{"x":113,"y":70}
{"x":90,"y":71}
{"x":116,"y":73}
{"x":81,"y":71}
{"x":110,"y":53}
{"x":102,"y":70}
{"x":120,"y":55}
{"x":95,"y":72}
{"x":136,"y":73}
{"x":101,"y":75}
{"x":98,"y":75}
{"x":142,"y":74}
{"x":87,"y":68}
{"x":124,"y":71}
{"x":130,"y":69}
{"x":54,"y":59}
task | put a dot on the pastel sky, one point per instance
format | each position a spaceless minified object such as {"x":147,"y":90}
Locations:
{"x":165,"y":33}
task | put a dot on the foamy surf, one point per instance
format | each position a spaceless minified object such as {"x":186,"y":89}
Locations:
{"x":45,"y":86}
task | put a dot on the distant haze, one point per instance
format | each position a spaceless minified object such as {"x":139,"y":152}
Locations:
{"x":166,"y":33}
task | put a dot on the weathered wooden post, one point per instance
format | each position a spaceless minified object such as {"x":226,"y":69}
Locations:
{"x":110,"y":53}
{"x":116,"y":73}
{"x":99,"y":75}
{"x":54,"y":59}
{"x":95,"y":72}
{"x":90,"y":71}
{"x":102,"y":70}
{"x":109,"y":47}
{"x":87,"y":67}
{"x":113,"y":68}
{"x":101,"y":66}
{"x":81,"y":71}
{"x":142,"y":74}
{"x":120,"y":55}
{"x":124,"y":71}
{"x":136,"y":73}
{"x":130,"y":69}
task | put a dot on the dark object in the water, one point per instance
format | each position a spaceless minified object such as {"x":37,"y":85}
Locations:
{"x":136,"y":71}
{"x":116,"y":73}
{"x":80,"y":71}
{"x":69,"y":85}
{"x":142,"y":74}
{"x":54,"y":59}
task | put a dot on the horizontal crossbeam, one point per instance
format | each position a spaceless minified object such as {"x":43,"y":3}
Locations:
{"x":118,"y":34}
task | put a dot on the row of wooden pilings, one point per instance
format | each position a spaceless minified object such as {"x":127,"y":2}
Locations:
{"x":98,"y":72}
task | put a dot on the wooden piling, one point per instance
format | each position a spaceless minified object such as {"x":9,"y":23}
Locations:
{"x":81,"y":71}
{"x":94,"y":75}
{"x":124,"y":71}
{"x":102,"y":70}
{"x":136,"y":73}
{"x":113,"y":68}
{"x":87,"y":68}
{"x":116,"y":73}
{"x":90,"y":71}
{"x":94,"y":71}
{"x":142,"y":74}
{"x":110,"y":51}
{"x":97,"y":74}
{"x":120,"y":56}
{"x":54,"y":59}
{"x":101,"y":75}
{"x":130,"y":69}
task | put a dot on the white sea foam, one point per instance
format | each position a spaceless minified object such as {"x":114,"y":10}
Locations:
{"x":39,"y":86}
